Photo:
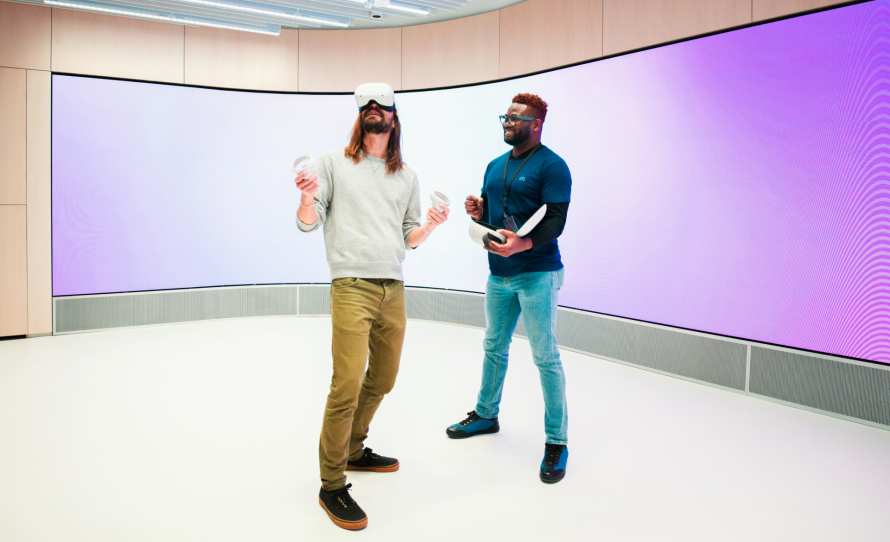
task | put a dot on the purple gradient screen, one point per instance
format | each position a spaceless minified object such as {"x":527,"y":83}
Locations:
{"x":737,"y":184}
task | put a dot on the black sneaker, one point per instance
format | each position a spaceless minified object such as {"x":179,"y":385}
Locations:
{"x":372,"y":462}
{"x":472,"y":426}
{"x":344,"y":511}
{"x":553,"y":467}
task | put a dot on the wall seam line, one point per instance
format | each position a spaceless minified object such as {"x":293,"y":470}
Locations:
{"x":27,"y":247}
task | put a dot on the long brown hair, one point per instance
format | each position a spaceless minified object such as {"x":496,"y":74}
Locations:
{"x":393,"y":150}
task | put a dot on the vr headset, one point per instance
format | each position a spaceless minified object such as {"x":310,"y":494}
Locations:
{"x":378,"y":93}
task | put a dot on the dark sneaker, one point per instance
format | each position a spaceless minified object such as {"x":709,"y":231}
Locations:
{"x":344,"y":511}
{"x":553,"y":468}
{"x":372,"y":462}
{"x":472,"y":426}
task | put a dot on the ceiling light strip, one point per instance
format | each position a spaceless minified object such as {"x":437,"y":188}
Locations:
{"x":114,"y":9}
{"x":267,"y":9}
{"x":395,"y":5}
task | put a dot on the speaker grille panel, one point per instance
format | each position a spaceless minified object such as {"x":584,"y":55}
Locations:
{"x":101,"y":312}
{"x":87,"y":313}
{"x":694,"y":356}
{"x":443,"y":306}
{"x":315,"y":300}
{"x":849,"y":389}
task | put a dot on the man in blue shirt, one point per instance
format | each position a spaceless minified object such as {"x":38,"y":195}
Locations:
{"x":526,"y":274}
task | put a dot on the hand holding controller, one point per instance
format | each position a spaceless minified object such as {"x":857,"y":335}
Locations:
{"x":438,"y":213}
{"x":308,"y":184}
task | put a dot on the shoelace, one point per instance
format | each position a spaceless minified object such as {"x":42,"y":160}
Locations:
{"x":371,"y":454}
{"x":551,"y":455}
{"x":343,"y":497}
{"x":472,"y":418}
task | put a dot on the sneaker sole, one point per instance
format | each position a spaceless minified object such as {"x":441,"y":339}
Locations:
{"x":552,"y":481}
{"x":464,"y":434}
{"x":348,"y":525}
{"x":391,"y":468}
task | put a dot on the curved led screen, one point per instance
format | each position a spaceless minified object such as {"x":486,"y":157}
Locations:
{"x":736,"y":184}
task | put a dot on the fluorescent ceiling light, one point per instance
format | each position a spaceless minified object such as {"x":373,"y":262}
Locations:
{"x":153,"y":15}
{"x":409,"y":8}
{"x":274,"y":11}
{"x":395,"y":5}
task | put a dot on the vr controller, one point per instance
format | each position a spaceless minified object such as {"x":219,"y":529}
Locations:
{"x":440,"y":201}
{"x":302,"y":164}
{"x":483,"y":234}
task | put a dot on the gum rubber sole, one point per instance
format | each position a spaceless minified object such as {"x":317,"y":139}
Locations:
{"x":391,"y":468}
{"x":464,"y":434}
{"x":349,"y":525}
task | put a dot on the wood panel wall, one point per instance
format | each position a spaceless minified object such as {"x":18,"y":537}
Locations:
{"x":13,"y":142}
{"x":96,"y":44}
{"x":340,"y":60}
{"x":13,"y":270}
{"x":631,"y":24}
{"x":768,"y":9}
{"x":39,"y":219}
{"x":223,"y":58}
{"x":25,"y":36}
{"x":527,"y":31}
{"x":451,"y":53}
{"x":528,"y":37}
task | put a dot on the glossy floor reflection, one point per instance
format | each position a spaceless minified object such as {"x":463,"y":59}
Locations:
{"x":209,"y":431}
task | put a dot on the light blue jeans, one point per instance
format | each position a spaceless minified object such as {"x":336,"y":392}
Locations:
{"x":535,"y":296}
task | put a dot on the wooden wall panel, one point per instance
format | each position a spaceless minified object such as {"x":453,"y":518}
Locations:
{"x":13,"y":123}
{"x":232,"y":59}
{"x":340,"y":60}
{"x":631,"y":24}
{"x":450,"y":53}
{"x":95,"y":44}
{"x":767,"y":9}
{"x":537,"y":35}
{"x":13,"y":271}
{"x":25,"y":36}
{"x":40,"y":317}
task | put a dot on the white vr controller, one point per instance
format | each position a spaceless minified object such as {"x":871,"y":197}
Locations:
{"x":440,"y":201}
{"x":303,"y":163}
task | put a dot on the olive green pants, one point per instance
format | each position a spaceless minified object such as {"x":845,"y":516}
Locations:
{"x":368,"y":320}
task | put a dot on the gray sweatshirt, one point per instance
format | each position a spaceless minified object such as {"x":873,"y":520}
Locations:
{"x":367,"y":215}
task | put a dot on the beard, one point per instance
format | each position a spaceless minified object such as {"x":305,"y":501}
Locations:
{"x":519,"y":137}
{"x":376,"y":124}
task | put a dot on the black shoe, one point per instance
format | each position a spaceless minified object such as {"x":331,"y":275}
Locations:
{"x":372,"y":462}
{"x":472,"y":426}
{"x":344,"y":511}
{"x":553,"y":468}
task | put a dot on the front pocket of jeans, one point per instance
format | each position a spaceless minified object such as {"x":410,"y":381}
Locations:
{"x":344,"y":282}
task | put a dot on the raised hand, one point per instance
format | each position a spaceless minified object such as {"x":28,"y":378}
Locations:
{"x":308,"y":185}
{"x":473,"y":205}
{"x":436,"y":217}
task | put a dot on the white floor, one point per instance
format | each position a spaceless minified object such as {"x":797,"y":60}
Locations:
{"x":209,"y":431}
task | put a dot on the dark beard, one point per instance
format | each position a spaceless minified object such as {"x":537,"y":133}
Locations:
{"x":379,"y":127}
{"x":519,"y":137}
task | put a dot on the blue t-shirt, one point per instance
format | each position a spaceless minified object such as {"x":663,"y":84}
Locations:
{"x":545,"y":178}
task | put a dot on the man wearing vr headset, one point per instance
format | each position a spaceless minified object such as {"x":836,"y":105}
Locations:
{"x":368,"y":201}
{"x":526,"y":275}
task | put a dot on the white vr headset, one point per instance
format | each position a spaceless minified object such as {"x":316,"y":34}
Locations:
{"x":378,"y":93}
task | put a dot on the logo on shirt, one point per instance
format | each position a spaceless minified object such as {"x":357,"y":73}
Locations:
{"x":522,"y":178}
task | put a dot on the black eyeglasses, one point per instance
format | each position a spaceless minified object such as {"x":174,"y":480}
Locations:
{"x":511,"y":120}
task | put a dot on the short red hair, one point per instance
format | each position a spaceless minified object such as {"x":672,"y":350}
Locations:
{"x":534,"y":102}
